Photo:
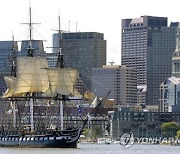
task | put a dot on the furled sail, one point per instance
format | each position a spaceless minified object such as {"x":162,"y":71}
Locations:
{"x":62,"y":81}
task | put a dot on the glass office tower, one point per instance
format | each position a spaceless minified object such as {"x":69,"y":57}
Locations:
{"x":84,"y":51}
{"x":148,"y":45}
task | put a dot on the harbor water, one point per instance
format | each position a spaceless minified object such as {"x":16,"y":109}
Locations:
{"x":98,"y":149}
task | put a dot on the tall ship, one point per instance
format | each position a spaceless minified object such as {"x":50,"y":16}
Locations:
{"x":33,"y":82}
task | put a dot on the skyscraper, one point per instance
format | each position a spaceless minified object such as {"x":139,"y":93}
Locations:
{"x":52,"y":59}
{"x":176,"y":56}
{"x":170,"y":88}
{"x":147,"y":45}
{"x":83,"y":50}
{"x":160,"y":61}
{"x":37,"y":46}
{"x":7,"y":54}
{"x":122,"y":82}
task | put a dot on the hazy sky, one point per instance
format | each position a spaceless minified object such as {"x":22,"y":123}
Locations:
{"x":102,"y":16}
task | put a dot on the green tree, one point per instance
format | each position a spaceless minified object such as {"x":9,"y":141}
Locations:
{"x":86,"y":132}
{"x":169,"y":129}
{"x":178,"y":134}
{"x":97,"y":132}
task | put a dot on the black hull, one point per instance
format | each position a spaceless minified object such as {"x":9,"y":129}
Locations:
{"x":68,"y":139}
{"x":39,"y":144}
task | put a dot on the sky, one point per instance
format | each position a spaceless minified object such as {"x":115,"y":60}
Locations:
{"x":103,"y":16}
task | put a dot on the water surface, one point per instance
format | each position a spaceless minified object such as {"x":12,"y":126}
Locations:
{"x":98,"y":149}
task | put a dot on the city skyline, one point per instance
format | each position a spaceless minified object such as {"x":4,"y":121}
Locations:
{"x":92,"y":16}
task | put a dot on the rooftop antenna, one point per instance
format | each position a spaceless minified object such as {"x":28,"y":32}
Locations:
{"x":112,"y":63}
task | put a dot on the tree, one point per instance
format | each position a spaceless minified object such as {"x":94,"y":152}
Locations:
{"x":97,"y":132}
{"x":86,"y":132}
{"x":178,"y":134}
{"x":169,"y":129}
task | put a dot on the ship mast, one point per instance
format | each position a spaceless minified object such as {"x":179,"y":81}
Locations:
{"x":30,"y":49}
{"x":30,"y":24}
{"x":60,"y":60}
{"x":30,"y":54}
{"x":13,"y":70}
{"x":13,"y":73}
{"x":60,"y":64}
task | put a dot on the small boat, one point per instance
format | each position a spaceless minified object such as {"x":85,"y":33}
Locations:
{"x":107,"y":142}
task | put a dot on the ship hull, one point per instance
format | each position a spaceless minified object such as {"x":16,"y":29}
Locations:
{"x":38,"y":144}
{"x":58,"y":140}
